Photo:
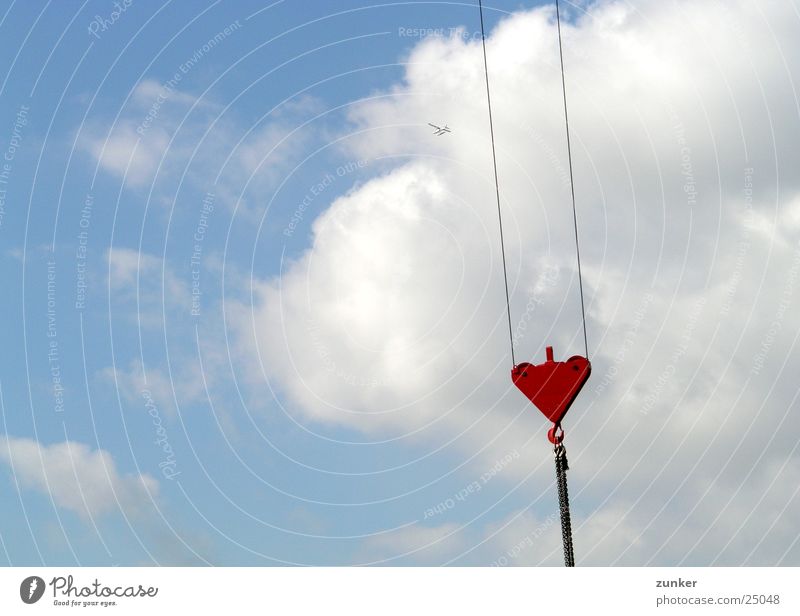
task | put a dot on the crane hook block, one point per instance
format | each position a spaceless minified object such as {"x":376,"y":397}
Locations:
{"x":553,"y":385}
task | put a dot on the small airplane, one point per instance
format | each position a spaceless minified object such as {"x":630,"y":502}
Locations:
{"x":439,"y":130}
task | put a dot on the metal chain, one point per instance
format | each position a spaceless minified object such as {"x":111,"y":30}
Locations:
{"x":563,"y":503}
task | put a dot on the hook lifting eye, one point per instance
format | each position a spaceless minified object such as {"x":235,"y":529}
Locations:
{"x":555,"y":434}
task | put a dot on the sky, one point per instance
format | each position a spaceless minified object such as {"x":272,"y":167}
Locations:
{"x":254,"y":308}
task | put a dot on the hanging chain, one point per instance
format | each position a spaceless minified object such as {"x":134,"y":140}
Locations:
{"x":560,"y":452}
{"x":563,"y":503}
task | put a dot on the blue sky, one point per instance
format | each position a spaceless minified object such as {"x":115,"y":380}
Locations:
{"x":290,"y":346}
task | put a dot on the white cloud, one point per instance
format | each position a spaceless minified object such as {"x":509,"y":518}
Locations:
{"x":376,"y":319}
{"x":146,"y":286}
{"x":127,"y":154}
{"x":140,"y":145}
{"x":421,"y":544}
{"x":127,"y":265}
{"x":186,"y":384}
{"x":76,"y":477}
{"x":523,"y":539}
{"x":164,"y":136}
{"x":520,"y":538}
{"x":147,"y":93}
{"x":136,"y":280}
{"x":392,"y":322}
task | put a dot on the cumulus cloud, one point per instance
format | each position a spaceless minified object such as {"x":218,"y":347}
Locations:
{"x":137,"y":145}
{"x":126,"y":265}
{"x":521,"y":538}
{"x":76,"y":477}
{"x":379,"y":318}
{"x":147,"y":283}
{"x":144,"y":287}
{"x":125,"y":154}
{"x":392,"y":322}
{"x":184,"y":386}
{"x":421,"y":544}
{"x":164,"y":134}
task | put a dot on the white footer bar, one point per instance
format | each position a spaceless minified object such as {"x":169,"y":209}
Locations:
{"x":399,"y":591}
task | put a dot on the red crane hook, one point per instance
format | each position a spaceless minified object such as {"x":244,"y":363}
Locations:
{"x":552,"y":387}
